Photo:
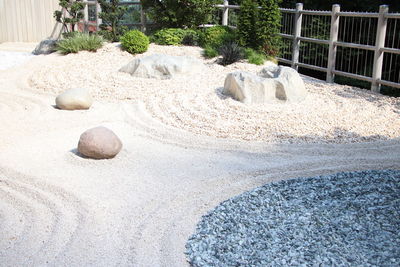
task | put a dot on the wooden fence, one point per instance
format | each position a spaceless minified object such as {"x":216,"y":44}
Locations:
{"x":379,"y":48}
{"x":27,"y":20}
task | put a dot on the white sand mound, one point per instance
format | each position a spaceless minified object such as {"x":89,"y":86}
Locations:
{"x":138,"y":209}
{"x":331,"y":113}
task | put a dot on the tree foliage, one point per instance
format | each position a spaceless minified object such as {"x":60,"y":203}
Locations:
{"x":111,"y":15}
{"x":180,"y":13}
{"x":73,"y":14}
{"x":259,"y":25}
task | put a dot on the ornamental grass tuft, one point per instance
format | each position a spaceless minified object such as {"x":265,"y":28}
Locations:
{"x":79,"y":42}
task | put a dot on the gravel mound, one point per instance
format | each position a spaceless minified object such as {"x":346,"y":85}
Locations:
{"x":12,"y":59}
{"x":346,"y":219}
{"x":331,"y":113}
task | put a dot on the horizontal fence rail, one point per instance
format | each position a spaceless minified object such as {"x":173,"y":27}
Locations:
{"x":331,"y":42}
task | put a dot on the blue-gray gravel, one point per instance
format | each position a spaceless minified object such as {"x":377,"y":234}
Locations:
{"x":346,"y":219}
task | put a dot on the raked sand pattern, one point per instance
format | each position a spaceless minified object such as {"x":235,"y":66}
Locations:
{"x":139,"y":209}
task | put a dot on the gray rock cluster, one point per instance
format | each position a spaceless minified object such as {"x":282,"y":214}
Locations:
{"x":159,"y":66}
{"x":346,"y":219}
{"x":271,"y":84}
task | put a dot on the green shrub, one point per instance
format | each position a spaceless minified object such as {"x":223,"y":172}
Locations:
{"x":135,"y":42}
{"x":269,"y":26}
{"x":247,"y":20}
{"x":191,"y":38}
{"x":180,"y":14}
{"x":111,"y":15}
{"x":210,"y":52}
{"x":231,"y":53}
{"x":171,"y":36}
{"x":258,"y":28}
{"x":254,"y":57}
{"x":217,"y":36}
{"x":176,"y":36}
{"x":79,"y":42}
{"x":72,"y":15}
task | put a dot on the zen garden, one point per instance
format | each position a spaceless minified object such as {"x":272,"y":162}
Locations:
{"x":199,"y":133}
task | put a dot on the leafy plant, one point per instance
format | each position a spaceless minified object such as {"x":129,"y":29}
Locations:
{"x":231,"y":53}
{"x":254,"y":57}
{"x":268,"y":27}
{"x":210,"y":52}
{"x":135,"y":42}
{"x":73,"y":14}
{"x":216,"y":36}
{"x":79,"y":42}
{"x":180,"y":14}
{"x":111,"y":14}
{"x":247,"y":21}
{"x":171,"y":36}
{"x":258,"y":28}
{"x":191,"y":38}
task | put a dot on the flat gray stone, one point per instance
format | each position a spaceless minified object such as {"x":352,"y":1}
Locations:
{"x":45,"y":47}
{"x":160,"y":66}
{"x":99,"y":143}
{"x":73,"y":99}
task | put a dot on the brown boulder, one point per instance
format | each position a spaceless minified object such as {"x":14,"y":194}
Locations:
{"x":99,"y":143}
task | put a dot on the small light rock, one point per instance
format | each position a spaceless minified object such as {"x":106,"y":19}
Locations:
{"x":73,"y":99}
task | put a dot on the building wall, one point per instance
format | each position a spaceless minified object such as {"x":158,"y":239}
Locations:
{"x":27,"y":20}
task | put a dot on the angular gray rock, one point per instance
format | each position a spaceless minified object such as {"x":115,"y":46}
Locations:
{"x":45,"y":47}
{"x":99,"y":143}
{"x":290,"y":84}
{"x":273,"y":83}
{"x":73,"y":99}
{"x":160,"y":66}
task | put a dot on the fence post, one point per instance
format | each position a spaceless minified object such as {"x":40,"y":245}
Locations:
{"x":98,"y":20}
{"x":85,"y":18}
{"x":330,"y":77}
{"x":379,"y":43}
{"x":225,"y":15}
{"x":296,"y":34}
{"x":142,"y":19}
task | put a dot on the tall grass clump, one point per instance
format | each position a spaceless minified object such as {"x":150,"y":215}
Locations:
{"x":79,"y":42}
{"x":254,"y":57}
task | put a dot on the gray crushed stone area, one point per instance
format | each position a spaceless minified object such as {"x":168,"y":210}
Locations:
{"x":346,"y":219}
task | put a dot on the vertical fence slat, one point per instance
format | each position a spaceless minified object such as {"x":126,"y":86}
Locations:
{"x":98,"y":20}
{"x":225,"y":14}
{"x":85,"y":18}
{"x":143,"y":20}
{"x":379,"y":43}
{"x":334,"y":32}
{"x":297,"y":33}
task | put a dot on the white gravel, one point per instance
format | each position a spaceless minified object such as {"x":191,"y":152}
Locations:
{"x":10,"y":59}
{"x":331,"y":113}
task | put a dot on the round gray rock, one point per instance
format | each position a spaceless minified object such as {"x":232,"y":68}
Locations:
{"x":73,"y":99}
{"x":99,"y":143}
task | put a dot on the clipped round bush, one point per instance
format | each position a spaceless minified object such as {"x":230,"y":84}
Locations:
{"x":170,"y":36}
{"x":216,"y":36}
{"x":135,"y":42}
